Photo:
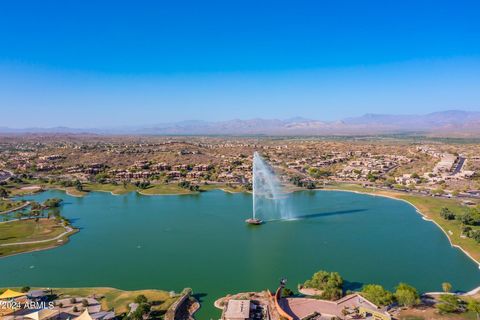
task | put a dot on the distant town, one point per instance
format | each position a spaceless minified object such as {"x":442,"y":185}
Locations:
{"x":440,"y":169}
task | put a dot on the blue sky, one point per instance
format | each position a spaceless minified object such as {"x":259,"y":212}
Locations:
{"x":97,"y":64}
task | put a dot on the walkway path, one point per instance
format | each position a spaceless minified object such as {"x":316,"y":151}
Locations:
{"x":67,"y":231}
{"x":26,"y":204}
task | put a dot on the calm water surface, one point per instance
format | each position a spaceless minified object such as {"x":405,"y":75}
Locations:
{"x":201,"y":241}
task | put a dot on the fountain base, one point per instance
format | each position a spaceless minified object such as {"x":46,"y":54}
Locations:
{"x":254,"y":221}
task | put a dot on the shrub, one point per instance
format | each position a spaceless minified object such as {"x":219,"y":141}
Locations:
{"x":52,"y":203}
{"x":448,"y":303}
{"x":141,"y":299}
{"x":330,"y":283}
{"x":446,"y":214}
{"x":377,"y":294}
{"x":287,"y":292}
{"x":406,"y":295}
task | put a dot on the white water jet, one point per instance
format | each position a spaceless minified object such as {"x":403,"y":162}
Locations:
{"x":269,"y":197}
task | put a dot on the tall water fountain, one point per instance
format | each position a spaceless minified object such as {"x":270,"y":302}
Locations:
{"x":269,"y":198}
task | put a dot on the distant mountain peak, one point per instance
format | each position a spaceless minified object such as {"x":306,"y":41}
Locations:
{"x":442,"y":122}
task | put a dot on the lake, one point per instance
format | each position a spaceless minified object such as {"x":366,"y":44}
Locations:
{"x":201,"y":241}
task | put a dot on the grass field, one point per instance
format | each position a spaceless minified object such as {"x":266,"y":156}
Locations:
{"x":430,"y":207}
{"x":29,"y":230}
{"x":153,"y":189}
{"x":115,"y":189}
{"x":223,"y":187}
{"x":159,"y":189}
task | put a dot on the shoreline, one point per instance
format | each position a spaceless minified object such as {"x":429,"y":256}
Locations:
{"x":424,"y":217}
{"x":136,"y":191}
{"x":53,"y":246}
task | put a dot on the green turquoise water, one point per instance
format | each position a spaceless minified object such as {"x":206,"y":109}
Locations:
{"x":201,"y":241}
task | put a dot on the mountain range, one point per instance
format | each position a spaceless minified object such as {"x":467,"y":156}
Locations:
{"x":444,"y":123}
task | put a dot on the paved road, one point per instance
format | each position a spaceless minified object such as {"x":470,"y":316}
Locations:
{"x":459,"y":166}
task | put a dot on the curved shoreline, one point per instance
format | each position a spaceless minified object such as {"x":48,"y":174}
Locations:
{"x":53,"y":246}
{"x":140,"y":192}
{"x":424,"y":217}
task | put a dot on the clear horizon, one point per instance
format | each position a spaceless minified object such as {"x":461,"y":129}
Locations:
{"x":86,"y":65}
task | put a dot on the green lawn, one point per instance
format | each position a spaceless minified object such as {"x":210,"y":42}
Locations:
{"x":120,"y":189}
{"x":222,"y":186}
{"x":29,"y":230}
{"x":115,"y":189}
{"x":171,"y":188}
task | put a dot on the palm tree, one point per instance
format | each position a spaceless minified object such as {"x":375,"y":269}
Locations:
{"x":446,"y":286}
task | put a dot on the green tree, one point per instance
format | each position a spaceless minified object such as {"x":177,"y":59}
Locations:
{"x":141,"y":299}
{"x":34,"y":205}
{"x":471,"y":217}
{"x":318,"y":173}
{"x":287,"y":292}
{"x":446,"y":287}
{"x":377,"y":294}
{"x":446,"y":214}
{"x":143,"y":184}
{"x":3,"y":193}
{"x":474,"y":306}
{"x":142,"y":309}
{"x":52,"y":203}
{"x":330,"y":283}
{"x":296,"y":180}
{"x":448,"y":303}
{"x":310,"y":185}
{"x":78,"y":185}
{"x":194,"y":187}
{"x":101,"y":177}
{"x":389,"y":182}
{"x":406,"y":295}
{"x":371,"y":177}
{"x":184,"y":184}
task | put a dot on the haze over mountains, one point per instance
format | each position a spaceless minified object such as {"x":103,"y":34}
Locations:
{"x":445,"y":123}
